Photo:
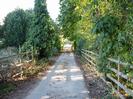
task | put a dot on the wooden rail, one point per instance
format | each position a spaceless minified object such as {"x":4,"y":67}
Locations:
{"x":90,"y":57}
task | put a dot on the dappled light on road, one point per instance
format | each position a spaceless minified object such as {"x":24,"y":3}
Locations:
{"x":64,"y":81}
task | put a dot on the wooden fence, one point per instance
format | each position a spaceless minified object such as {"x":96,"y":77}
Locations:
{"x":12,"y":66}
{"x":117,"y":80}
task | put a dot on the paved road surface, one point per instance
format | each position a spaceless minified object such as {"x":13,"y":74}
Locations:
{"x":63,"y":81}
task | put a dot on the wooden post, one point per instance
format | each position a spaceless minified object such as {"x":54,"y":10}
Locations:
{"x":27,"y":57}
{"x":108,"y":66}
{"x":19,"y":58}
{"x":33,"y":55}
{"x":118,"y":77}
{"x":21,"y":76}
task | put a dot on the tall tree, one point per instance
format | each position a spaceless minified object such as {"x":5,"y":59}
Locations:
{"x":69,"y":18}
{"x":15,"y":25}
{"x":41,"y":39}
{"x":1,"y":31}
{"x":30,"y":16}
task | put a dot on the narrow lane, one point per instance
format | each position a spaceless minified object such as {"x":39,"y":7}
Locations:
{"x":63,"y":81}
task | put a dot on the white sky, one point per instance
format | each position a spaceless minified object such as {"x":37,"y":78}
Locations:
{"x":7,"y":6}
{"x":53,"y":8}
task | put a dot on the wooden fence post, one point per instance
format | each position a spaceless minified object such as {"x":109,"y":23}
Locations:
{"x":21,"y":75}
{"x":118,"y":77}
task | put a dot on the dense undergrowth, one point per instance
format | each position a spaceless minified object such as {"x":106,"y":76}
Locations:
{"x":30,"y":71}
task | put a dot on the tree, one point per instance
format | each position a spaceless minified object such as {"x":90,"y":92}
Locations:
{"x":75,"y":22}
{"x":42,"y":37}
{"x":1,"y":31}
{"x":69,"y":18}
{"x":112,"y":26}
{"x":30,"y":17}
{"x":103,"y":26}
{"x":42,"y":34}
{"x":15,"y":27}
